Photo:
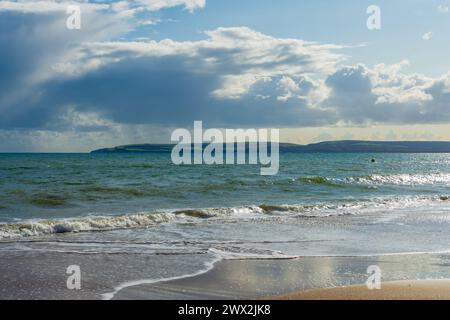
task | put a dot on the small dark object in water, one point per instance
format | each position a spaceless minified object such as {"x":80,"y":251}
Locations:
{"x":373,"y":160}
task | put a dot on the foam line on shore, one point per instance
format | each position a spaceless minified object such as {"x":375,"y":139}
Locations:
{"x":208,"y":266}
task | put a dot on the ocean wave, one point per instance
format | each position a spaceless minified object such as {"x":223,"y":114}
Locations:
{"x":32,"y":228}
{"x":351,"y":207}
{"x":379,"y":179}
{"x":402,"y":179}
{"x":45,"y":227}
{"x":319,"y":180}
{"x":220,"y":212}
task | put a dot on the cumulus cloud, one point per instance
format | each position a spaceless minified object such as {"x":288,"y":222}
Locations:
{"x":384,"y":94}
{"x":221,"y":79}
{"x":240,"y":57}
{"x":131,"y":6}
{"x":88,"y":83}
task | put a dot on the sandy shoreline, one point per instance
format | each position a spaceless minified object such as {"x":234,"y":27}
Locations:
{"x":42,"y":275}
{"x":306,"y":278}
{"x":395,"y":290}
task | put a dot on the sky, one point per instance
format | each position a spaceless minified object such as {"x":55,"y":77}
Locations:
{"x":136,"y":70}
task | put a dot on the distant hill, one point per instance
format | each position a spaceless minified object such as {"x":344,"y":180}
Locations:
{"x":344,"y":146}
{"x":137,"y":148}
{"x":373,"y":146}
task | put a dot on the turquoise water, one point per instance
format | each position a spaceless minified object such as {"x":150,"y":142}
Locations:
{"x":72,"y":185}
{"x":318,"y":204}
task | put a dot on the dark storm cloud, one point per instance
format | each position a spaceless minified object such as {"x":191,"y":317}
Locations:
{"x":159,"y":90}
{"x":234,"y":77}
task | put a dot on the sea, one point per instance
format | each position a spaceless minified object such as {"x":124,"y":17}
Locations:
{"x":319,"y":204}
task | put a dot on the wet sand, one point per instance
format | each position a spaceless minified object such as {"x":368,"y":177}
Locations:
{"x":259,"y":279}
{"x":42,"y":275}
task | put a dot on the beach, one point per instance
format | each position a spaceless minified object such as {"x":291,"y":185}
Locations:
{"x":139,"y":227}
{"x":277,"y":279}
{"x":220,"y":150}
{"x":395,"y":290}
{"x":123,"y":277}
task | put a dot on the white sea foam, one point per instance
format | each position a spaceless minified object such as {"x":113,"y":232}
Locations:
{"x":30,"y":228}
{"x":248,"y":255}
{"x":402,"y":179}
{"x":208,"y":266}
{"x":33,"y":228}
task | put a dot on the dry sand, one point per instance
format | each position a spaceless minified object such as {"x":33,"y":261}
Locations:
{"x":395,"y":290}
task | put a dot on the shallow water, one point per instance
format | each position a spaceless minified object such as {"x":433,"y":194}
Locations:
{"x":318,"y":205}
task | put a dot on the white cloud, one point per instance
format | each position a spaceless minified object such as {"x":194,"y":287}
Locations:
{"x":117,"y":8}
{"x":240,"y":56}
{"x":442,"y":8}
{"x":289,"y":86}
{"x":86,"y":121}
{"x":385,"y":94}
{"x":391,"y":85}
{"x":86,"y":82}
{"x":427,"y":36}
{"x":46,"y":6}
{"x":155,"y":5}
{"x":235,"y":86}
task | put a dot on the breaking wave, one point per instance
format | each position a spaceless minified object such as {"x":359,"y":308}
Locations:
{"x":380,"y":179}
{"x":403,"y":179}
{"x":45,"y":227}
{"x":32,"y":228}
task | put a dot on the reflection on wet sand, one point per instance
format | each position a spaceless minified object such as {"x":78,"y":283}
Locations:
{"x":252,"y":279}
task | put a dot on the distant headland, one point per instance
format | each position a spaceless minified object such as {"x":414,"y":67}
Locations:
{"x":342,"y":146}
